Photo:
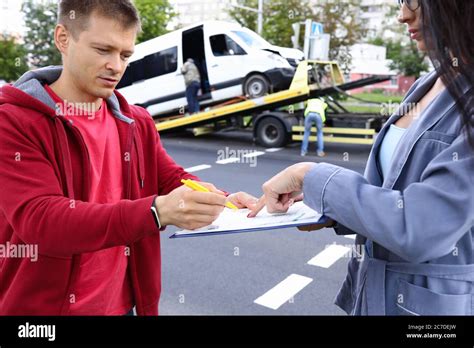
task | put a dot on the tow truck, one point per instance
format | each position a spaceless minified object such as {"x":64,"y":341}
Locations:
{"x":278,"y":118}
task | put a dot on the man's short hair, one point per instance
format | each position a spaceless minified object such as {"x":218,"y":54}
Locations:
{"x":75,"y":14}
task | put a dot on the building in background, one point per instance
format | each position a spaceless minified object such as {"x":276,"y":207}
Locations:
{"x":379,"y":17}
{"x":369,"y":60}
{"x":194,"y":11}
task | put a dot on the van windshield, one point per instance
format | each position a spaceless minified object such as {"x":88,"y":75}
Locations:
{"x":252,"y":39}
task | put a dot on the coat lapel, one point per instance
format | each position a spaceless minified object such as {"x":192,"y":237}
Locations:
{"x":428,"y":118}
{"x":435,"y":111}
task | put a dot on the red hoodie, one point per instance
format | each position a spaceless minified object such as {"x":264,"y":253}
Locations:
{"x":44,"y":200}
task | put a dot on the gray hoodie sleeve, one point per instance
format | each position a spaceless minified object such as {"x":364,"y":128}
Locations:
{"x":421,"y":223}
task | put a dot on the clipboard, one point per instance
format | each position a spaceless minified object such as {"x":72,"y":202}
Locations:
{"x":230,"y":222}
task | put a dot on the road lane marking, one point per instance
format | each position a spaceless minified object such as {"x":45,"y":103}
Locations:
{"x":254,"y":154}
{"x":198,"y":168}
{"x":228,"y":160}
{"x":283,"y":292}
{"x":274,"y":149}
{"x":329,"y":256}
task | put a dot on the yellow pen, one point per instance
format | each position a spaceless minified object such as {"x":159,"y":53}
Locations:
{"x":197,"y":187}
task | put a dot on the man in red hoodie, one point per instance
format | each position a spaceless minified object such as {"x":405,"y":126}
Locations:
{"x":85,"y":179}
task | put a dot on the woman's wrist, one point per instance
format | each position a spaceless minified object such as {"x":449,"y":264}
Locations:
{"x":301,"y":169}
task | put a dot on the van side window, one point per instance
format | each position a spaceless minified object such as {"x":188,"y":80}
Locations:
{"x":223,"y":45}
{"x":153,"y":65}
{"x":135,"y":72}
{"x":161,"y":63}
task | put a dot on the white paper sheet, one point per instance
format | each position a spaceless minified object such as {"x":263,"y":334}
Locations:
{"x":237,"y":220}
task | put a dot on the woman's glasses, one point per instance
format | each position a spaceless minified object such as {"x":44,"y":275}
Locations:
{"x":412,"y":5}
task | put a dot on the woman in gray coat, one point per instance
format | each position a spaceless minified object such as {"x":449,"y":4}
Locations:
{"x":413,"y":210}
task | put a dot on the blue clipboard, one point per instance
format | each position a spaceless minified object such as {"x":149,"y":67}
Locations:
{"x":322,"y":220}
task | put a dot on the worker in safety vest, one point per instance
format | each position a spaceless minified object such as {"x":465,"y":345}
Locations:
{"x":314,"y":114}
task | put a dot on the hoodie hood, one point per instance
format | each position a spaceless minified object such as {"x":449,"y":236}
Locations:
{"x":28,"y":92}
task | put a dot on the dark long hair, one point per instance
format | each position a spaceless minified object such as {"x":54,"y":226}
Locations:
{"x":448,"y":29}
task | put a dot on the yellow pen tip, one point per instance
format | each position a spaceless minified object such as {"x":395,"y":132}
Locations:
{"x":231,"y":206}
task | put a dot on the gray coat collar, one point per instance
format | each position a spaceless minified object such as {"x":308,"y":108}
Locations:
{"x":428,"y":118}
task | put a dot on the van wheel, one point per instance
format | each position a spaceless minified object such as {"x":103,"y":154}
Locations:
{"x":271,"y":133}
{"x":256,"y":86}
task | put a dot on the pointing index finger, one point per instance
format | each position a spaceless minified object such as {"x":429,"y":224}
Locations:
{"x":259,"y":206}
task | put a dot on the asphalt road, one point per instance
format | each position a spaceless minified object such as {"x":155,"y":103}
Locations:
{"x":256,"y":273}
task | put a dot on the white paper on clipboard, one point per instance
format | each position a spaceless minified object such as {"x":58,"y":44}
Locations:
{"x":234,"y":221}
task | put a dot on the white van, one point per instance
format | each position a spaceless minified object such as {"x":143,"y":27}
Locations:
{"x":232,"y":60}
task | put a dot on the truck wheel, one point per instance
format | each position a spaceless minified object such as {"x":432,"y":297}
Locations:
{"x":256,"y":86}
{"x":271,"y":133}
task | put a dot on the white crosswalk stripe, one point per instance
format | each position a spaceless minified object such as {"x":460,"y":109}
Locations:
{"x":283,"y":292}
{"x":274,"y":149}
{"x":254,"y":154}
{"x":329,"y":256}
{"x":198,"y":168}
{"x":228,"y":160}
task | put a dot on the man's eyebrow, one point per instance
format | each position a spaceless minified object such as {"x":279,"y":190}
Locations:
{"x":107,"y":46}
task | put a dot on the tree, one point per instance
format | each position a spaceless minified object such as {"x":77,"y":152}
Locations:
{"x":278,"y":16}
{"x":155,"y":16}
{"x":406,"y":59}
{"x":246,"y":18}
{"x":342,"y":20}
{"x":40,"y":21}
{"x":13,"y":60}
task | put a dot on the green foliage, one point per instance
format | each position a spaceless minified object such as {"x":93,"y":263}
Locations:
{"x":407,"y":59}
{"x":246,"y":18}
{"x":379,"y":95}
{"x":155,"y":16}
{"x":40,"y":21}
{"x":12,"y":60}
{"x":279,"y":16}
{"x":339,"y":18}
